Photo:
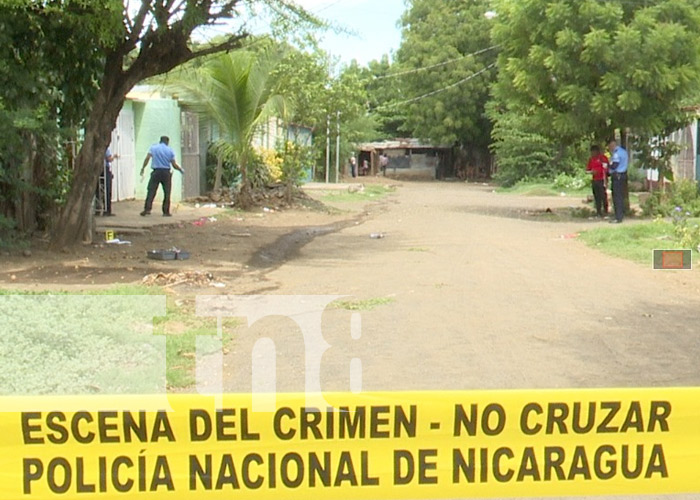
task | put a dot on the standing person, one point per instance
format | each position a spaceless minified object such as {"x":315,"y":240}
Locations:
{"x":598,"y":166}
{"x":163,"y":158}
{"x":365,"y":167}
{"x":619,"y":161}
{"x":353,"y":166}
{"x":383,"y":163}
{"x":104,"y":195}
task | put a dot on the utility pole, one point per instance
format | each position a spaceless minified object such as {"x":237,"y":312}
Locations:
{"x":337,"y":151}
{"x":328,"y":146}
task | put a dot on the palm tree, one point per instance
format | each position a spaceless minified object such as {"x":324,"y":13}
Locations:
{"x":236,"y":90}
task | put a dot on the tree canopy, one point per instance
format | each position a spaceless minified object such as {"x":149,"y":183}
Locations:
{"x":443,"y":57}
{"x":584,"y":68}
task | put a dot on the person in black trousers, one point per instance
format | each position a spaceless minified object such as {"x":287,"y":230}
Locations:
{"x":163,"y":157}
{"x":104,"y":187}
{"x":619,"y":163}
{"x":598,"y":167}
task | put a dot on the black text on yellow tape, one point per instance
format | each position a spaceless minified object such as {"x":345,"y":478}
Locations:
{"x":376,"y":445}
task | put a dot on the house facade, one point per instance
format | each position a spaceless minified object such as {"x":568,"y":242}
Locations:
{"x":145,"y":117}
{"x":148,"y":114}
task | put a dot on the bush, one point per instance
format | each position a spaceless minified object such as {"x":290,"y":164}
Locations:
{"x":296,"y":159}
{"x":686,"y":232}
{"x":273,"y":163}
{"x":259,"y":173}
{"x":574,"y":182}
{"x":230,"y":175}
{"x":683,"y":195}
{"x":263,"y":168}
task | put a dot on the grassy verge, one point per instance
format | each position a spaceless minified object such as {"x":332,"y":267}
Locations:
{"x":542,"y":189}
{"x":181,"y":329}
{"x":371,"y":192}
{"x":104,"y":344}
{"x":632,"y":241}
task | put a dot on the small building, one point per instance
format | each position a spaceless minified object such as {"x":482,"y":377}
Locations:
{"x":407,"y":159}
{"x":145,"y":117}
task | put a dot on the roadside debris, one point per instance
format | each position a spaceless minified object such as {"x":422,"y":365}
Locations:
{"x":377,"y":236}
{"x":203,"y":220}
{"x":195,"y":278}
{"x":117,"y":241}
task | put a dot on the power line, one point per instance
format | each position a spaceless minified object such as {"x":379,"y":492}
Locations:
{"x":444,"y":89}
{"x":445,"y":63}
{"x":327,"y":6}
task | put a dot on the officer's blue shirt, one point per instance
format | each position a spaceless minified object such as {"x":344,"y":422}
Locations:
{"x":162,"y":156}
{"x":108,"y":153}
{"x":621,"y":158}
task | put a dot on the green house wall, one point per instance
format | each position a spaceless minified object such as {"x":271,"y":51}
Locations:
{"x":152,"y":119}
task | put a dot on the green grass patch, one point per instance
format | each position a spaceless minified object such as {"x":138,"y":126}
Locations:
{"x":104,"y":343}
{"x":363,"y":305}
{"x":541,"y":189}
{"x":372,"y":192}
{"x":632,"y":241}
{"x":419,"y":249}
{"x":182,"y":329}
{"x":119,"y":290}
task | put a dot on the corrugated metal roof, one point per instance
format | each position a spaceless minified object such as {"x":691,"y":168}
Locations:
{"x":400,"y":144}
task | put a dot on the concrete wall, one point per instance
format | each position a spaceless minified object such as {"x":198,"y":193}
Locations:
{"x":152,"y":119}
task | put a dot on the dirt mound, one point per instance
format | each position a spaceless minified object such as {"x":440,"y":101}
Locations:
{"x":272,"y":196}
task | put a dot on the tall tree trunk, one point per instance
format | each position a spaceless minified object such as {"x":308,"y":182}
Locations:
{"x":74,"y":221}
{"x":245,"y":199}
{"x":27,"y":200}
{"x":218,"y":174}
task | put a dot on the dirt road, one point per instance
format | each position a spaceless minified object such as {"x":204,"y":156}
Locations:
{"x":481,"y":298}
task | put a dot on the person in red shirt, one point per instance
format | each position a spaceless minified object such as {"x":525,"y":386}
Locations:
{"x":598,"y":167}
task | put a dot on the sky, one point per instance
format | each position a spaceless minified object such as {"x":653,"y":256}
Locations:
{"x":372,"y":22}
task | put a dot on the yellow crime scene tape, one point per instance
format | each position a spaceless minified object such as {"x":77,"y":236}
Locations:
{"x":412,"y":445}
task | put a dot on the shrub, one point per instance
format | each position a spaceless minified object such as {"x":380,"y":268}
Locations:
{"x":681,"y":194}
{"x":273,"y":162}
{"x":687,"y":232}
{"x":574,"y":182}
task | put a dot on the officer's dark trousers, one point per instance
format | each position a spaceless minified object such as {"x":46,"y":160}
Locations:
{"x":619,"y":185}
{"x":159,"y":176}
